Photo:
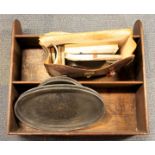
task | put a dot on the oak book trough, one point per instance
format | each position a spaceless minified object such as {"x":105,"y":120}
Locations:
{"x":124,"y":93}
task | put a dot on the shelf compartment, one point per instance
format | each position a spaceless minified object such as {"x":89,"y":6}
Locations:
{"x":121,"y":114}
{"x":29,"y":62}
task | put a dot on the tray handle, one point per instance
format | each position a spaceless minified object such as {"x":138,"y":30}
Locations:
{"x":60,"y":80}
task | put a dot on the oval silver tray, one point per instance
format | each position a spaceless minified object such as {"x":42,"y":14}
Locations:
{"x":54,"y":106}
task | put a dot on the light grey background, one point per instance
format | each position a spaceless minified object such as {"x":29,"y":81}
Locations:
{"x":37,"y":24}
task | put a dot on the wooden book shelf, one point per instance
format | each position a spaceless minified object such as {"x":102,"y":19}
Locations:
{"x":124,"y":94}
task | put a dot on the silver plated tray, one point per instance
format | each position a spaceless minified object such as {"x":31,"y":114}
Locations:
{"x":59,"y":104}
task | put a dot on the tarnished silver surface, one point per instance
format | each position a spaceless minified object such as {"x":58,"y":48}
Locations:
{"x":57,"y":106}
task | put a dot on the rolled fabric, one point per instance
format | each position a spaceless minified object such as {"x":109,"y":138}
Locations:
{"x":91,"y":49}
{"x":92,"y":57}
{"x":108,"y":36}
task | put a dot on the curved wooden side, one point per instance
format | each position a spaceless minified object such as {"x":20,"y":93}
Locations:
{"x":142,"y":110}
{"x":16,"y":29}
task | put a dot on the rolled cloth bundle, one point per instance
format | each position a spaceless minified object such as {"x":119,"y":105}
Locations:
{"x":64,"y":52}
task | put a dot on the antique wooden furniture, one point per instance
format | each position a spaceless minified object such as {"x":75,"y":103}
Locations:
{"x":124,"y":93}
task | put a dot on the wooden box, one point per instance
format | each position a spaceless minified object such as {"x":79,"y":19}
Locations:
{"x":124,"y":94}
